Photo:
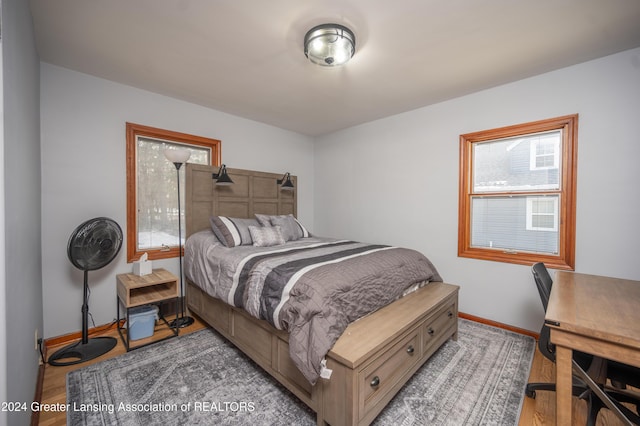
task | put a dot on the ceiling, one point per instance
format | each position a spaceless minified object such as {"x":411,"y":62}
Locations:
{"x":245,"y":57}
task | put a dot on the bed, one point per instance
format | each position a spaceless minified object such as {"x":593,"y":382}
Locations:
{"x":368,"y":360}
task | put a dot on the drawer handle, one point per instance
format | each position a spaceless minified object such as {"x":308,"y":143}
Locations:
{"x":431,"y":331}
{"x":450,"y":314}
{"x":410,"y":350}
{"x":375,"y":382}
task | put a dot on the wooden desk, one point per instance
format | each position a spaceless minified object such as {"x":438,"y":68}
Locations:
{"x":593,"y":314}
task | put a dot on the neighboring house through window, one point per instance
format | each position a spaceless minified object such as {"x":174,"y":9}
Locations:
{"x":517,"y":193}
{"x":152,"y":203}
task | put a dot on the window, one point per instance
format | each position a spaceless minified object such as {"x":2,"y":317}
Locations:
{"x":152,"y":203}
{"x":517,"y":193}
{"x":545,"y":151}
{"x":542,"y":213}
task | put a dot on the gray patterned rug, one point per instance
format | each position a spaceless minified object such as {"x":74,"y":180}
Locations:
{"x":200,"y":379}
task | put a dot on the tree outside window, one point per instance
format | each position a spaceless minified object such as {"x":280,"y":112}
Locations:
{"x":152,"y":203}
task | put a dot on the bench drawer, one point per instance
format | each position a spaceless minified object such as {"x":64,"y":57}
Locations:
{"x":437,"y":326}
{"x":383,"y":374}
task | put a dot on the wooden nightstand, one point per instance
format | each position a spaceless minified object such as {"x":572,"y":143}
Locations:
{"x":135,"y":290}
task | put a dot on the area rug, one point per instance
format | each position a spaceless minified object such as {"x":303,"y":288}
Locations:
{"x":201,"y":379}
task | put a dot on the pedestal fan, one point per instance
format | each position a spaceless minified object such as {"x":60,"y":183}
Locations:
{"x":93,"y":245}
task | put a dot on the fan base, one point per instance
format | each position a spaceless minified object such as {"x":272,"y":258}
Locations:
{"x":81,"y":352}
{"x":181,"y":322}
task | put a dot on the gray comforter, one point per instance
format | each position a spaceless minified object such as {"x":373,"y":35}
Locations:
{"x":312,"y":288}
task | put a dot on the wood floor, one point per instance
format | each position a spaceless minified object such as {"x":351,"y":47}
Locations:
{"x":538,"y":411}
{"x":542,"y":409}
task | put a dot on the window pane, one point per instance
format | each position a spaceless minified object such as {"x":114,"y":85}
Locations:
{"x":157,"y":196}
{"x":542,"y":222}
{"x":523,"y":163}
{"x":515,"y":223}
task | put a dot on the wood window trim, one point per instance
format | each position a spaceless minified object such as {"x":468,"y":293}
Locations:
{"x":133,"y":131}
{"x":567,"y":218}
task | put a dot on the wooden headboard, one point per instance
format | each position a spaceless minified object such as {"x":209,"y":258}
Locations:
{"x":252,"y":192}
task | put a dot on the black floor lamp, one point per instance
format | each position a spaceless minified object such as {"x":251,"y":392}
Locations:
{"x":178,"y":157}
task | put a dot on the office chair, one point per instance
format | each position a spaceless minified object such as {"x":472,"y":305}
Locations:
{"x":543,"y":283}
{"x":619,"y":374}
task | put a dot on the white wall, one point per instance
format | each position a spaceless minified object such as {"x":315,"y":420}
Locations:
{"x":3,"y":281}
{"x":84,"y":174}
{"x":21,"y":301}
{"x":395,"y":180}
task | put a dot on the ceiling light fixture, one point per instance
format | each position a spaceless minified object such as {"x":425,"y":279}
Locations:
{"x":329,"y":45}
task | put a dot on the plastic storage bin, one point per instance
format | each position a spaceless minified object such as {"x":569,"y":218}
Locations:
{"x":142,"y":321}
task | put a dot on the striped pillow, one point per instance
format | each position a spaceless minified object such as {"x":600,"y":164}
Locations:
{"x":266,"y":236}
{"x":292,"y":229}
{"x":232,"y":231}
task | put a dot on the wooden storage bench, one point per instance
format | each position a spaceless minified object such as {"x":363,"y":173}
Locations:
{"x":371,"y":361}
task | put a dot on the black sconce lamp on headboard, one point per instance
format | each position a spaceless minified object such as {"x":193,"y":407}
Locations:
{"x":222,"y":178}
{"x":286,"y":183}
